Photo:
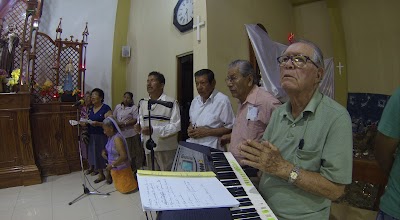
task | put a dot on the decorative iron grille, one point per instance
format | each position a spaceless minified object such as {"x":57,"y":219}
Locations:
{"x":45,"y":66}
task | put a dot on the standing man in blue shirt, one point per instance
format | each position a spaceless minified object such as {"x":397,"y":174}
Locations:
{"x":387,"y":143}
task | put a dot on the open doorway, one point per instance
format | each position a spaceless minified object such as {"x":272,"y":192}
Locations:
{"x":185,"y":91}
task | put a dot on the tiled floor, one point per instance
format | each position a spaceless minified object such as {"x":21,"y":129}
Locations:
{"x":50,"y":199}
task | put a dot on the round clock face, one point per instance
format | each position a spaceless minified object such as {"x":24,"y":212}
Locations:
{"x":185,"y":12}
{"x":183,"y":15}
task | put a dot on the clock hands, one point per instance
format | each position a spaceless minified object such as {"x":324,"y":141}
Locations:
{"x":183,"y":14}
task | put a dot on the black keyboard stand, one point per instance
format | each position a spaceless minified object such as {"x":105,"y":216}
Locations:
{"x":196,"y":214}
{"x":250,"y":171}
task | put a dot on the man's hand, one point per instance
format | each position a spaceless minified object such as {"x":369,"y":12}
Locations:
{"x":147,"y":131}
{"x":190,"y":129}
{"x":109,"y":167}
{"x":198,"y":132}
{"x":137,"y":128}
{"x":95,"y":124}
{"x":265,"y":157}
{"x":225,"y":139}
{"x":104,"y":154}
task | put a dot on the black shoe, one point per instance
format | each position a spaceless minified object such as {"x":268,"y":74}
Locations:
{"x":89,"y":171}
{"x":98,"y":180}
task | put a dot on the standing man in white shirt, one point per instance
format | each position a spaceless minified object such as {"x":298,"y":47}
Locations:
{"x":211,"y":114}
{"x":165,"y":124}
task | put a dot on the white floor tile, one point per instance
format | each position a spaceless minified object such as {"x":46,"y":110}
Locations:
{"x":110,"y":203}
{"x":105,"y":188}
{"x":65,"y":195}
{"x":80,"y":210}
{"x":6,"y":215}
{"x":65,"y":180}
{"x":131,"y":212}
{"x":26,"y":201}
{"x":8,"y":202}
{"x":136,"y":199}
{"x":50,"y":199}
{"x":43,"y":188}
{"x":10,"y":191}
{"x":38,"y":212}
{"x":92,"y":218}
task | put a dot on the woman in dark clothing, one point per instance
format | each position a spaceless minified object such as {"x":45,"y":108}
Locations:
{"x":97,"y":139}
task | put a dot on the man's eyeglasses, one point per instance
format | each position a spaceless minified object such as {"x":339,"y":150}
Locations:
{"x":231,"y":79}
{"x":298,"y":60}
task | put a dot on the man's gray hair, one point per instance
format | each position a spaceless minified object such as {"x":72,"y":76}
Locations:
{"x":318,"y":57}
{"x":245,"y":69}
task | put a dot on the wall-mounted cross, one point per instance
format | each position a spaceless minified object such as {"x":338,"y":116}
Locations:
{"x":197,"y":26}
{"x":340,"y":68}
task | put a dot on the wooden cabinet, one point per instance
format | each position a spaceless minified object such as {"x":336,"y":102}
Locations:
{"x":17,"y":162}
{"x":55,"y":140}
{"x":369,"y":171}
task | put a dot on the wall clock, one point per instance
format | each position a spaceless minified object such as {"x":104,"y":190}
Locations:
{"x":183,"y":15}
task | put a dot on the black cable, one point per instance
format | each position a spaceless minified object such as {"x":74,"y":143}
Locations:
{"x":91,"y":184}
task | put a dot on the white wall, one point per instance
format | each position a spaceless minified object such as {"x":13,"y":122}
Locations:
{"x":227,"y":37}
{"x":155,"y":44}
{"x":100,"y":14}
{"x":313,"y":23}
{"x":372,"y":45}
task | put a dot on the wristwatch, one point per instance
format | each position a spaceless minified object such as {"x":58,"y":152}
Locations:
{"x":294,"y":174}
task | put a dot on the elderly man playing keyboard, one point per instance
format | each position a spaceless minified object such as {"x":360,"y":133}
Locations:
{"x":306,"y":151}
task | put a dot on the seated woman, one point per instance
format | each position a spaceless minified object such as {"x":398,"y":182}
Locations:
{"x":116,"y":152}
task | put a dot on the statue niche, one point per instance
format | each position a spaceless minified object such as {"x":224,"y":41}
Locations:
{"x":69,"y":69}
{"x":8,"y":43}
{"x":68,"y":87}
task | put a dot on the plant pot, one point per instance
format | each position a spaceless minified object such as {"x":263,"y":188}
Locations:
{"x":4,"y":82}
{"x":68,"y":97}
{"x":24,"y":88}
{"x":15,"y":88}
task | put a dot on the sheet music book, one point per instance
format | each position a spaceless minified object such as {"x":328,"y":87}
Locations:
{"x":159,"y":193}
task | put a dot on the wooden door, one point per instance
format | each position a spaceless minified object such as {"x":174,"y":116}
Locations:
{"x":8,"y":140}
{"x":70,"y":140}
{"x":185,"y":91}
{"x":17,"y":163}
{"x":48,"y":143}
{"x":55,"y":140}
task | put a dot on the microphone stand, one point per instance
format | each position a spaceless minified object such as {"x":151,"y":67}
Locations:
{"x":86,"y":191}
{"x":150,"y":144}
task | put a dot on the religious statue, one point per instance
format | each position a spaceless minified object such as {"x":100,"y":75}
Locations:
{"x":69,"y":69}
{"x":8,"y":43}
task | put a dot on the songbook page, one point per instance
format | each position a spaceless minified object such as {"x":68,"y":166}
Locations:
{"x":158,"y":193}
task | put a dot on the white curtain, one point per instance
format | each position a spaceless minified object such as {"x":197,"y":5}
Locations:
{"x":267,"y":51}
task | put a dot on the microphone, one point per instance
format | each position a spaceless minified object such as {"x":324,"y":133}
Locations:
{"x":78,"y":103}
{"x":164,"y":103}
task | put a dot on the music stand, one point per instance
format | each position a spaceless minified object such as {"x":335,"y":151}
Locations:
{"x":86,"y":191}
